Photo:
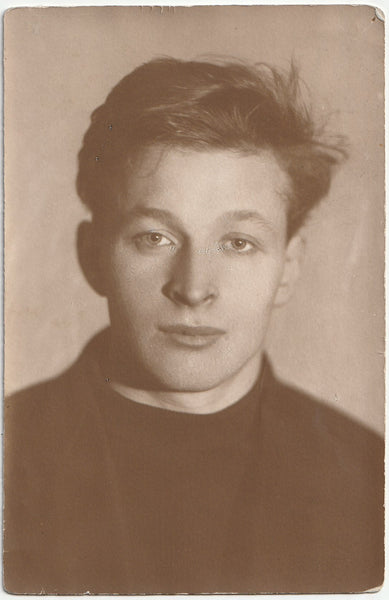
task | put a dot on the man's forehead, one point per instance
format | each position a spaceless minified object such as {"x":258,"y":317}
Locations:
{"x":183,"y":186}
{"x":158,"y":167}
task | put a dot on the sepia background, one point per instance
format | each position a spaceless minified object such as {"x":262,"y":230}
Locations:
{"x":60,"y":63}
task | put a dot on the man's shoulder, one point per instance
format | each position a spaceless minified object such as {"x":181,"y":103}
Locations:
{"x":303,"y":410}
{"x":64,"y":389}
{"x":39,"y":391}
{"x":47,"y":392}
{"x":49,"y":406}
{"x":325,"y":471}
{"x":46,"y":423}
{"x":320,"y":436}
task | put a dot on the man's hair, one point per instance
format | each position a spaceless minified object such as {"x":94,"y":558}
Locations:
{"x":207,"y":106}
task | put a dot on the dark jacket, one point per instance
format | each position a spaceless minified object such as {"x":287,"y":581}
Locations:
{"x":316,"y":484}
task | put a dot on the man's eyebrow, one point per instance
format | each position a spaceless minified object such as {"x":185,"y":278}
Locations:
{"x":170,"y":219}
{"x":249,"y":215}
{"x":162,"y":215}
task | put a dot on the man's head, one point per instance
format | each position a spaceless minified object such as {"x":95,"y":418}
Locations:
{"x":204,"y":106}
{"x":198,"y":176}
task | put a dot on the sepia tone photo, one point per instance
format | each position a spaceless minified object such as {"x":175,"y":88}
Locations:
{"x":194,"y":300}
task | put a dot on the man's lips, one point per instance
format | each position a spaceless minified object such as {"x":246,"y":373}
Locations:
{"x":192,"y":331}
{"x":192,"y":337}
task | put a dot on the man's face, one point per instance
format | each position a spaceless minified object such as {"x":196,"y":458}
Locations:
{"x":193,"y":267}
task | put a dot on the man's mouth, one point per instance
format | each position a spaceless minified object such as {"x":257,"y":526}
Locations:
{"x":195,"y":337}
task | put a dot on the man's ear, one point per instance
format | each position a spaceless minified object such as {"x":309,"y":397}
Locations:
{"x":295,"y":251}
{"x":90,"y":252}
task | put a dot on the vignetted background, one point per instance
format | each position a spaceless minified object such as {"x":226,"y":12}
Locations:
{"x":60,"y":63}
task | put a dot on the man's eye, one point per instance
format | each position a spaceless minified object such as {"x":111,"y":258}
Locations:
{"x":154,"y":239}
{"x":238,"y":245}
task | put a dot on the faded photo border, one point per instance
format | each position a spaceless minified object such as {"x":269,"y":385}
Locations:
{"x":50,"y":365}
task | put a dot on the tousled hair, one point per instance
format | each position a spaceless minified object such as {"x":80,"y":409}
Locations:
{"x":206,"y":105}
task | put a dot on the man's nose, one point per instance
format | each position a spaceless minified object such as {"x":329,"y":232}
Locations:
{"x":192,"y":281}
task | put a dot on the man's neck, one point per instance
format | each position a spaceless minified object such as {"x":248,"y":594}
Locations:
{"x":203,"y":402}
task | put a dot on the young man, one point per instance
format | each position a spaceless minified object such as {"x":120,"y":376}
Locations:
{"x":169,"y":458}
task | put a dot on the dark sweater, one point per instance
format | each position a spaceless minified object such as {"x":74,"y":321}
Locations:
{"x":276,"y":493}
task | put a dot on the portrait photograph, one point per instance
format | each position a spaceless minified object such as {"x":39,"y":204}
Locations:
{"x":194,"y":315}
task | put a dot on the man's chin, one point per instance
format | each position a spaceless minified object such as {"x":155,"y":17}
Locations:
{"x":189,"y":385}
{"x":173,"y":381}
{"x":183,"y":380}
